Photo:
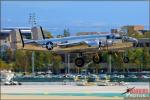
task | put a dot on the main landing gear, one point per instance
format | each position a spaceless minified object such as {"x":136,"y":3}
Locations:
{"x":79,"y":61}
{"x":97,"y":58}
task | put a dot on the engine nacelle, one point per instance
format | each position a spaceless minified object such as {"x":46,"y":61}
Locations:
{"x":105,"y":43}
{"x":92,"y":43}
{"x":49,"y":45}
{"x":134,"y":40}
{"x":100,"y":43}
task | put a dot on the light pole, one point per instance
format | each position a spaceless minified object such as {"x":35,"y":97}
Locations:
{"x":68,"y":63}
{"x":110,"y":65}
{"x":32,"y":22}
{"x":33,"y":65}
{"x":65,"y":63}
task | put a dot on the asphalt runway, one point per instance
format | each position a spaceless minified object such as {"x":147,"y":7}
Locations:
{"x":43,"y":91}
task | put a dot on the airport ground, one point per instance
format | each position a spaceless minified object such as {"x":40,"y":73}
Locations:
{"x":63,"y":92}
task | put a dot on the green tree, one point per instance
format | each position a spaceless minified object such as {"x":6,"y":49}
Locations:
{"x":66,"y":33}
{"x":22,"y":61}
{"x":136,"y":57}
{"x":39,"y":56}
{"x":146,"y":58}
{"x":47,"y":34}
{"x":59,"y":36}
{"x":147,"y":34}
{"x":4,"y":65}
{"x":56,"y":63}
{"x":9,"y":56}
{"x":117,"y":60}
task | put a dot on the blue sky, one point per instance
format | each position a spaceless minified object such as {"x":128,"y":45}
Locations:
{"x":75,"y":15}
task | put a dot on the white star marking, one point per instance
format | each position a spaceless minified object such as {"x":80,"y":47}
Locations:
{"x":49,"y":46}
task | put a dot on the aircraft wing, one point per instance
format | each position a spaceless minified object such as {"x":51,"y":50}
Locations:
{"x":37,"y":42}
{"x":59,"y":42}
{"x":72,"y":43}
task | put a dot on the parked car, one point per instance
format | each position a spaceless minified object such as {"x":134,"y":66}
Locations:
{"x":132,"y":76}
{"x":115,"y":76}
{"x":102,"y":76}
{"x":144,"y":76}
{"x":121,"y":76}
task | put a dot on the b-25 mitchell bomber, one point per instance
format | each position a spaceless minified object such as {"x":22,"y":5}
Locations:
{"x":96,"y":40}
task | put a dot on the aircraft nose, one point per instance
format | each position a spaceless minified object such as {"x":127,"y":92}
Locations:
{"x":134,"y":40}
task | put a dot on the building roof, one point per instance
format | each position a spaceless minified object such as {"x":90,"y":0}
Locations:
{"x":9,"y":30}
{"x":89,"y":33}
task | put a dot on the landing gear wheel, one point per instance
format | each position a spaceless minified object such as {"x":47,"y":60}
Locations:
{"x":79,"y":62}
{"x":97,"y":59}
{"x":126,"y":60}
{"x":49,"y":45}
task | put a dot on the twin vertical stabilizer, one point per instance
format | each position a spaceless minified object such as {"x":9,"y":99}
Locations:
{"x":16,"y":38}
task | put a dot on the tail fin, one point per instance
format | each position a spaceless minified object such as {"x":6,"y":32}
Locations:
{"x":16,"y":39}
{"x":37,"y":33}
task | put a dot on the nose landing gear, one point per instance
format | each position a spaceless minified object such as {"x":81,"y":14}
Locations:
{"x":126,"y":60}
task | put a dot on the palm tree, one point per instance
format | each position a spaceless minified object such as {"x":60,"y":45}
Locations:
{"x":117,"y":60}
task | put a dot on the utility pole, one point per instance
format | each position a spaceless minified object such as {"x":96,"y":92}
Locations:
{"x":32,"y":22}
{"x":33,"y":65}
{"x":68,"y":63}
{"x":110,"y":65}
